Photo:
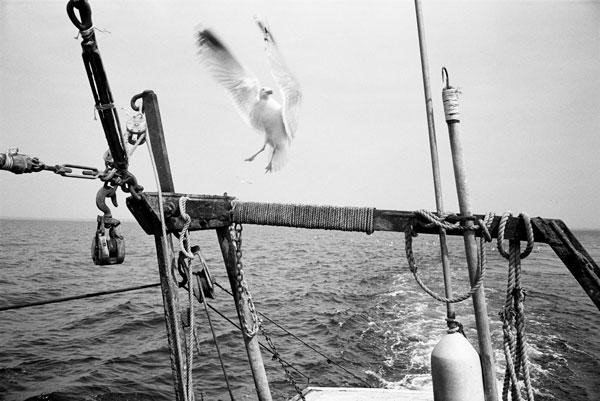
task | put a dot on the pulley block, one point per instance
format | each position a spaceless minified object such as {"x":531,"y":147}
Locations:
{"x":108,"y":247}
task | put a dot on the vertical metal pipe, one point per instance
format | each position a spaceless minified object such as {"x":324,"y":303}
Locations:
{"x":486,"y":351}
{"x":169,"y":291}
{"x":435,"y":165}
{"x":252,"y":346}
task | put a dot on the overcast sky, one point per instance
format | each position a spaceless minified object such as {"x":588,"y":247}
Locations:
{"x":529,"y":73}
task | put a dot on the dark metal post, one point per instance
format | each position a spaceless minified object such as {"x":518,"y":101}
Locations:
{"x":98,"y":81}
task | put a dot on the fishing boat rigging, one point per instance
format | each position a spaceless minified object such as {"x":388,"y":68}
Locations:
{"x":167,"y":215}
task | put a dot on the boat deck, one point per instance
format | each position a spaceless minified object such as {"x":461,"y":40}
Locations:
{"x":363,"y":394}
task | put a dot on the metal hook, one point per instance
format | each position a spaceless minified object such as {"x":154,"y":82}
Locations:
{"x":84,"y":22}
{"x":135,"y":98}
{"x":103,"y":193}
{"x":445,"y":78}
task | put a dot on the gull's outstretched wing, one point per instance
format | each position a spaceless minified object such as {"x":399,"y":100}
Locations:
{"x":216,"y":57}
{"x":287,"y":82}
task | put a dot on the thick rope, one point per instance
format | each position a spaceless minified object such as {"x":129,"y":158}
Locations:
{"x":528,"y":231}
{"x":136,"y":144}
{"x":481,"y":260}
{"x":305,"y":216}
{"x":184,"y":245}
{"x":513,"y":314}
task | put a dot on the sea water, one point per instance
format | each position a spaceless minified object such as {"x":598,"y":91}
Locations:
{"x":348,"y":295}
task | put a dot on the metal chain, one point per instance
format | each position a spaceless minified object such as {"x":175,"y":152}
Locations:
{"x":242,"y":287}
{"x":288,"y":374}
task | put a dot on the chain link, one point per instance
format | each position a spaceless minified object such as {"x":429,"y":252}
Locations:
{"x":242,"y":290}
{"x":242,"y":287}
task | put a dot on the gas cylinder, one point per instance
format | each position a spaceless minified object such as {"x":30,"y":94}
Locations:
{"x":456,"y":370}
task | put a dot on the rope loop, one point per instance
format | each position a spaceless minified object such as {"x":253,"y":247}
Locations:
{"x":485,"y":224}
{"x":437,"y":220}
{"x":454,"y":326}
{"x":528,"y":231}
{"x":409,"y":233}
{"x":184,"y":243}
{"x":440,"y":220}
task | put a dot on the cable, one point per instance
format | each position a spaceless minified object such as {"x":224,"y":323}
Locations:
{"x":259,"y":343}
{"x":329,"y":360}
{"x":71,"y":298}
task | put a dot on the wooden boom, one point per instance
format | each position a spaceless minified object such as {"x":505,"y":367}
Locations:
{"x":212,"y":212}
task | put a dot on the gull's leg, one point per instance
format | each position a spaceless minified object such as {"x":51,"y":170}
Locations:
{"x":256,"y":154}
{"x":269,"y":167}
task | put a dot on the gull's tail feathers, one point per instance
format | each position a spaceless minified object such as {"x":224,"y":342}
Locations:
{"x":279,"y":158}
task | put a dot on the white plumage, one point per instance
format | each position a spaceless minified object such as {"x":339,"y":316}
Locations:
{"x":278,"y":123}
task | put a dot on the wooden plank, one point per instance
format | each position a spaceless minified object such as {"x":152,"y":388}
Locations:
{"x":210,"y":212}
{"x":158,"y":144}
{"x":574,"y":256}
{"x":206,"y":211}
{"x":363,"y":394}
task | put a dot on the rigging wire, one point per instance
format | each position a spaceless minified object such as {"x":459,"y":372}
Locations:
{"x":263,"y":346}
{"x":328,"y":359}
{"x":212,"y":330}
{"x":74,"y":297}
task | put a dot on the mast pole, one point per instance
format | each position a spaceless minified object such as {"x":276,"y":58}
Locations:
{"x":486,"y":352}
{"x":435,"y":165}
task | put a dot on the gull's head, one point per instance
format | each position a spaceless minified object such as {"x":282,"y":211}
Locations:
{"x":265,"y":93}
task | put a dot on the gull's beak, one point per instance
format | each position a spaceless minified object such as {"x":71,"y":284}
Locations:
{"x":269,"y":92}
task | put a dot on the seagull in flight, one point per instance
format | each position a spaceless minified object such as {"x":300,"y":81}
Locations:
{"x":255,"y":103}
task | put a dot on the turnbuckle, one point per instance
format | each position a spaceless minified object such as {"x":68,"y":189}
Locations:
{"x":74,"y":171}
{"x":20,"y":163}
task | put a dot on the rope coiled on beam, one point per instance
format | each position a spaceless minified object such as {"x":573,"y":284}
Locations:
{"x":305,"y":216}
{"x":513,"y":315}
